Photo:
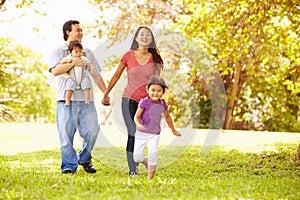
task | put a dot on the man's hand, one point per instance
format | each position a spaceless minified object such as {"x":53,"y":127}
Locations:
{"x":78,"y":62}
{"x":106,"y":101}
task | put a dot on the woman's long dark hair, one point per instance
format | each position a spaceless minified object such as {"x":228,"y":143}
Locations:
{"x":152,"y":47}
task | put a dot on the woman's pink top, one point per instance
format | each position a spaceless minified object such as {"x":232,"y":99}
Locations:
{"x":138,"y":76}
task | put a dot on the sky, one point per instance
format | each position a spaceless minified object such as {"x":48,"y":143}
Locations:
{"x":49,"y":35}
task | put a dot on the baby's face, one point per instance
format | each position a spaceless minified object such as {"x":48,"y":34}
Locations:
{"x":76,"y":52}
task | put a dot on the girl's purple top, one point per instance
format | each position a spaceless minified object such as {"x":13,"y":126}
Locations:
{"x":151,"y":115}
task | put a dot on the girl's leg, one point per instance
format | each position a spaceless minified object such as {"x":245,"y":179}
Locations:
{"x":145,"y":162}
{"x":139,"y":147}
{"x":152,"y":155}
{"x":151,"y":171}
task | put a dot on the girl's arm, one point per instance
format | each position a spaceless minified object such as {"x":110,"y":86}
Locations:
{"x":113,"y":82}
{"x":137,"y":118}
{"x":170,"y":123}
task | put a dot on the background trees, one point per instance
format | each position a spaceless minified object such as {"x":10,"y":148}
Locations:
{"x":253,"y":44}
{"x":24,"y":93}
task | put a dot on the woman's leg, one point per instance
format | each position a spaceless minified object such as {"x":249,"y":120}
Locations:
{"x":129,"y":108}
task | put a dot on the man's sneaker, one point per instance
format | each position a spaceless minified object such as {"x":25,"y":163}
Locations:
{"x":67,"y":171}
{"x":88,"y":167}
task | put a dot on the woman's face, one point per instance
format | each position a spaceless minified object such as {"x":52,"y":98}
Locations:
{"x":144,"y":38}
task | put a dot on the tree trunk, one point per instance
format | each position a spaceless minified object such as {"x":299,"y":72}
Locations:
{"x":232,"y":98}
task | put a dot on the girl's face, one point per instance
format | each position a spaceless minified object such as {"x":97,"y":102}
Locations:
{"x":155,"y":92}
{"x":144,"y":37}
{"x":76,"y":52}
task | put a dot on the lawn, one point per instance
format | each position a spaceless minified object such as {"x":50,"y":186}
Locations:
{"x":30,"y":160}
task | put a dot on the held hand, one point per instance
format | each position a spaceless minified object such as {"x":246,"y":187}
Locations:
{"x":176,"y":133}
{"x":106,"y":101}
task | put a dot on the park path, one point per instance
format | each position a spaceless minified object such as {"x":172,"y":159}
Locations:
{"x":28,"y":137}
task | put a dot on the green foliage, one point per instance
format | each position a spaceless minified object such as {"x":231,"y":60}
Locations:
{"x":219,"y":175}
{"x":23,"y":88}
{"x":254,"y":45}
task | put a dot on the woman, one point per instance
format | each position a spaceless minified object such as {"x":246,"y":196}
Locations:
{"x":141,"y":62}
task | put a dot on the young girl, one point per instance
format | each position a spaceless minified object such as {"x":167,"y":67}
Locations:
{"x":147,"y":119}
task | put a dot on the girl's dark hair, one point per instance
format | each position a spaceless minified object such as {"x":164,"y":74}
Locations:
{"x":74,"y":44}
{"x":68,"y":27}
{"x":152,"y":47}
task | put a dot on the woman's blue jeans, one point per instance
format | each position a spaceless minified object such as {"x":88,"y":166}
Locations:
{"x":81,"y":117}
{"x":129,"y":108}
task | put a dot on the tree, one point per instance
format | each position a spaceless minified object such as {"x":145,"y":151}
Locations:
{"x":244,"y":40}
{"x":23,"y":89}
{"x":24,"y":3}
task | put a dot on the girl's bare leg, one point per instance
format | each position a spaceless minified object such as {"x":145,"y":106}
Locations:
{"x":151,"y":171}
{"x":87,"y":96}
{"x":68,"y":97}
{"x":145,"y":162}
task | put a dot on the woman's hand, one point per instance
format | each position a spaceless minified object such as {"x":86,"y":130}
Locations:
{"x":106,"y":100}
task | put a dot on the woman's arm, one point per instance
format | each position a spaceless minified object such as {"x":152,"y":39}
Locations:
{"x":157,"y":72}
{"x":113,"y":82}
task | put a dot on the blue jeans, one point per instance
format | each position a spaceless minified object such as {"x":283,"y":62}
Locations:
{"x":129,"y":108}
{"x":70,"y":118}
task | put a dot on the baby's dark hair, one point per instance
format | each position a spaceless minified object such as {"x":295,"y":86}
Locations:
{"x":158,"y":81}
{"x":74,"y":44}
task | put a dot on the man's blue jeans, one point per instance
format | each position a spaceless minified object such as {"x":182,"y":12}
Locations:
{"x":81,"y":117}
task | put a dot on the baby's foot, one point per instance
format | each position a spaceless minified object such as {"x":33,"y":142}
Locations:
{"x":87,"y":102}
{"x":67,"y":103}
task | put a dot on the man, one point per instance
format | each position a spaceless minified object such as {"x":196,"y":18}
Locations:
{"x":78,"y":115}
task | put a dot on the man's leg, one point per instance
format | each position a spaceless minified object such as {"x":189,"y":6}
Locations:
{"x":66,"y":131}
{"x":88,"y":128}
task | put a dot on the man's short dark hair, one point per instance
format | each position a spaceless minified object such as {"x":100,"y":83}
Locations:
{"x":68,"y":27}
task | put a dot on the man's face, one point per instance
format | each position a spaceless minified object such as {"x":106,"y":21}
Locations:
{"x":75,"y":33}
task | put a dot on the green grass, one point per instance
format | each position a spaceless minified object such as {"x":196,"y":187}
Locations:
{"x":222,"y":174}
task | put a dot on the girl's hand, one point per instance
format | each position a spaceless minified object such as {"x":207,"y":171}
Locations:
{"x":176,"y":133}
{"x":141,"y":127}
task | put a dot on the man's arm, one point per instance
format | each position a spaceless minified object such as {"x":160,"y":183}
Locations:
{"x":63,"y":68}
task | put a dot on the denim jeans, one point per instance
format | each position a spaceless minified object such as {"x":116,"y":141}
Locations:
{"x":70,"y":118}
{"x":129,"y":108}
